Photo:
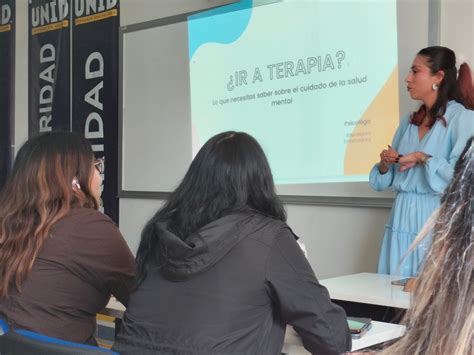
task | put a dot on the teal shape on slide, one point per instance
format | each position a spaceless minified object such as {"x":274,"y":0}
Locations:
{"x":205,"y":27}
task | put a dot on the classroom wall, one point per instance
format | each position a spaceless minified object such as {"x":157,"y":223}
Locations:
{"x":339,"y":240}
{"x":136,"y":11}
{"x":21,"y":74}
{"x":457,"y":28}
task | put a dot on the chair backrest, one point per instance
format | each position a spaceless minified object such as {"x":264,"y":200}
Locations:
{"x":20,"y":342}
{"x":3,"y":327}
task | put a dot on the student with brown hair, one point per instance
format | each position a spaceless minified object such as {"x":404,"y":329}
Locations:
{"x":60,"y":258}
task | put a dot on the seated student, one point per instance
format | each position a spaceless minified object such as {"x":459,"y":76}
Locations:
{"x":219,"y":270}
{"x":441,"y":318}
{"x":60,"y":258}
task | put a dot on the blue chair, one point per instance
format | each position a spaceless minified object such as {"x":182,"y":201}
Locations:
{"x":22,"y":342}
{"x":3,"y":327}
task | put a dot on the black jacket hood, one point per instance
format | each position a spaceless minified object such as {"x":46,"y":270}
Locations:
{"x":182,"y":259}
{"x":241,"y":279}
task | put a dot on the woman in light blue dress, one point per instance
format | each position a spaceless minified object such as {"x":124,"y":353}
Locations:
{"x":419,"y":164}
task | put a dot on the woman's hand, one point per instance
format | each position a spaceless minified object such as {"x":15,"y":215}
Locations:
{"x":410,"y":160}
{"x":387,"y":157}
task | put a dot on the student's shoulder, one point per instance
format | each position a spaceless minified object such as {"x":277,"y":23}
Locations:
{"x":82,"y":214}
{"x":268,"y":230}
{"x":88,"y":222}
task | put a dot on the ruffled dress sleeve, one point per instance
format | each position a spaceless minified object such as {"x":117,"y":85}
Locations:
{"x":439,"y":170}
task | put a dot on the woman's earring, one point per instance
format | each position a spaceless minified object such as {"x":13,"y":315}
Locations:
{"x":75,"y":184}
{"x":435,"y":86}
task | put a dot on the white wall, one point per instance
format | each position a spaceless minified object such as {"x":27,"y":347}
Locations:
{"x":135,"y":11}
{"x":339,"y":240}
{"x":457,"y":29}
{"x":21,"y":74}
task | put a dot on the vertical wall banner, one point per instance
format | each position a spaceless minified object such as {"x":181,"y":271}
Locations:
{"x":95,"y":86}
{"x":49,"y":66}
{"x":7,"y":86}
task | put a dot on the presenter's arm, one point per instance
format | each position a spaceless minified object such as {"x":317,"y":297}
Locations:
{"x":410,"y":160}
{"x":302,"y":301}
{"x":439,"y":170}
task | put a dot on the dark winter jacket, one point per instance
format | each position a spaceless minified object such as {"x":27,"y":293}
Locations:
{"x":231,"y":288}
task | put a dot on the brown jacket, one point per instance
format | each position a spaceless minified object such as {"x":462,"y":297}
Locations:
{"x":84,"y":260}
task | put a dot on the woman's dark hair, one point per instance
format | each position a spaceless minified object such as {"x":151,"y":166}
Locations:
{"x":37,"y":194}
{"x":229,"y":174}
{"x":459,"y":89}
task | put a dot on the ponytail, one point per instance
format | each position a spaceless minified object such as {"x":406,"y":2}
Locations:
{"x":465,"y":86}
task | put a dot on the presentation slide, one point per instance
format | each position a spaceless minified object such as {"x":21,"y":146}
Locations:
{"x":315,"y":82}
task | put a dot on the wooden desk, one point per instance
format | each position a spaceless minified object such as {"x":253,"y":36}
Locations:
{"x":368,"y":288}
{"x":379,"y":333}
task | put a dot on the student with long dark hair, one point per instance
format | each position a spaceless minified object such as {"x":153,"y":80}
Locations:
{"x":220,"y":272}
{"x":420,"y":161}
{"x":60,"y":258}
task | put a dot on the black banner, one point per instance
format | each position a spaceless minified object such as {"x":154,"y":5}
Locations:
{"x":49,"y":66}
{"x":7,"y":86}
{"x":95,"y":86}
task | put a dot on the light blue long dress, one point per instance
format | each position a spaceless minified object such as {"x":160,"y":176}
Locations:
{"x":418,"y":189}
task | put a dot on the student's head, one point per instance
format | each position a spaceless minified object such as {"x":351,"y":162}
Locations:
{"x":434,"y":76}
{"x":440,"y":320}
{"x":229,"y":174}
{"x":52,"y":173}
{"x":57,"y":167}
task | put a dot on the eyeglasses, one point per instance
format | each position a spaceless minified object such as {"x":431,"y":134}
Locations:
{"x":100,"y":165}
